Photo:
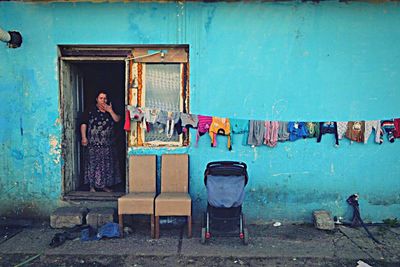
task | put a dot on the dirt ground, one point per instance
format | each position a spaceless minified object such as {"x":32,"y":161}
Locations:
{"x":288,"y":245}
{"x":138,"y":261}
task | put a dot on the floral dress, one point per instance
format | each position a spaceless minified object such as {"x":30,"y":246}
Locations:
{"x":101,"y":163}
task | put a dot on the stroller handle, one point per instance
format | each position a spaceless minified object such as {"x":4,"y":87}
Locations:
{"x":220,"y":165}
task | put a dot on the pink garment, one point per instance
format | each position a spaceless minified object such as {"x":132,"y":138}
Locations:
{"x":396,"y":128}
{"x":271,"y":133}
{"x":203,"y":126}
{"x":127,"y":125}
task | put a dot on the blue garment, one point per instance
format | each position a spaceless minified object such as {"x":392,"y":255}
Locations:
{"x":239,"y":126}
{"x":297,"y":130}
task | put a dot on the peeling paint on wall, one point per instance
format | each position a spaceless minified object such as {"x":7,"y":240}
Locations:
{"x":55,"y":149}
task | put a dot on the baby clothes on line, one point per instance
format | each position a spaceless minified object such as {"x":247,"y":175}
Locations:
{"x":151,"y":115}
{"x":189,"y":120}
{"x":220,"y":126}
{"x":341,"y":128}
{"x":136,"y":113}
{"x":355,"y":131}
{"x":271,"y":133}
{"x":239,"y":126}
{"x":388,"y":128}
{"x":162,"y":117}
{"x":396,"y":133}
{"x":328,"y":128}
{"x":172,"y":120}
{"x":283,"y":134}
{"x":313,"y":129}
{"x":297,"y":130}
{"x":376,"y":125}
{"x":256,"y":133}
{"x":127,"y":124}
{"x":203,"y":126}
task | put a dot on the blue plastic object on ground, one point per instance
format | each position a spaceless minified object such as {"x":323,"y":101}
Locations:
{"x":107,"y":230}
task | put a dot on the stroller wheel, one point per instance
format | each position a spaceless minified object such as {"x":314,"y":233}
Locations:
{"x":245,"y":236}
{"x":203,"y":235}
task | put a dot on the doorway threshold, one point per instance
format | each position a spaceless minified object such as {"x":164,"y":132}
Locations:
{"x":96,"y":196}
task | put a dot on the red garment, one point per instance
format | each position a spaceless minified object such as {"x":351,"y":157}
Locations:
{"x":396,"y":132}
{"x":127,"y":125}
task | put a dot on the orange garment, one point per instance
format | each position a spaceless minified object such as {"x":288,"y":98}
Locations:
{"x":220,"y":126}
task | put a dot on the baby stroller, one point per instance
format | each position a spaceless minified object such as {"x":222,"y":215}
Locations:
{"x":225,"y":182}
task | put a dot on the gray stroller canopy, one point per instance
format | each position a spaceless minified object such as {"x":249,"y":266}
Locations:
{"x":225,"y":191}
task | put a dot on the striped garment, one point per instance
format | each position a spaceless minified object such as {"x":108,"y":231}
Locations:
{"x":388,"y":128}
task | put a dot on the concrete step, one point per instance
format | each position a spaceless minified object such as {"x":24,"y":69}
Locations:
{"x":68,"y":217}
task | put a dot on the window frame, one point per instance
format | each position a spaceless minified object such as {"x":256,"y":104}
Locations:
{"x":138,"y":61}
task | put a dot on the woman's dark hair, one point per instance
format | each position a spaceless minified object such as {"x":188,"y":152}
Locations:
{"x":101,"y":92}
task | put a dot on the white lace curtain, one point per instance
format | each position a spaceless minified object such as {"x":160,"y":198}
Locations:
{"x":163,"y":86}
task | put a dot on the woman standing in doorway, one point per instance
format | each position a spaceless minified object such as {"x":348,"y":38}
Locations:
{"x":97,"y":131}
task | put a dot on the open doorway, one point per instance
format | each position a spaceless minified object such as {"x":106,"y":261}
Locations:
{"x":81,"y":80}
{"x":110,"y":77}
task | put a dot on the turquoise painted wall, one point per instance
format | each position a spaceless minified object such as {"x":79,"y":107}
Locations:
{"x":277,"y":61}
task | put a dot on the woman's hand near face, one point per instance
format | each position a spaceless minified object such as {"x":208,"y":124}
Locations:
{"x":108,"y":108}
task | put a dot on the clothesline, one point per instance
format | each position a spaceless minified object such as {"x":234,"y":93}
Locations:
{"x":262,"y":132}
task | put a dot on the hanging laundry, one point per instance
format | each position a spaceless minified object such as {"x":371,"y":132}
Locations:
{"x":256,"y":133}
{"x":151,"y":115}
{"x":271,"y":133}
{"x":341,"y":128}
{"x":389,"y":129}
{"x":313,"y":129}
{"x":396,"y":132}
{"x":188,"y":121}
{"x":172,"y":120}
{"x":136,"y":113}
{"x":283,"y":134}
{"x":239,"y":126}
{"x":203,"y":126}
{"x":376,"y":125}
{"x":127,"y":124}
{"x":329,"y":127}
{"x":355,"y":131}
{"x":178,"y":127}
{"x":161,"y":122}
{"x":220,"y":126}
{"x":297,"y":130}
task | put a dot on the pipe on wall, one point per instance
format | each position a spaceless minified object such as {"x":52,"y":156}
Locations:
{"x":12,"y":38}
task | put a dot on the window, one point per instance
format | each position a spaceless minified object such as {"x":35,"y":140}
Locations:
{"x":158,"y":80}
